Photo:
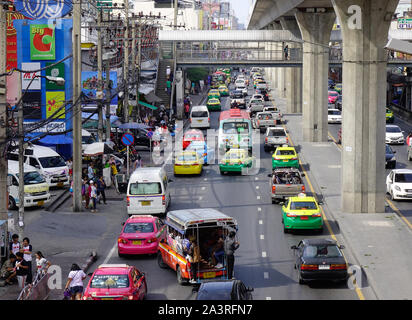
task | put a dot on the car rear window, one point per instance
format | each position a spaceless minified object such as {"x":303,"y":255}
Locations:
{"x":334,"y":112}
{"x":277,"y":133}
{"x":215,"y":294}
{"x":322,"y":251}
{"x":285,"y":153}
{"x":265,"y":116}
{"x":107,"y":281}
{"x":303,"y":205}
{"x":199,"y":114}
{"x":187,"y":157}
{"x":403,"y":177}
{"x":139,"y":227}
{"x":145,"y":188}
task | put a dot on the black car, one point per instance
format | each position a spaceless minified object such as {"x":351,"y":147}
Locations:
{"x":390,"y":158}
{"x":224,"y":290}
{"x":338,"y":103}
{"x":264,"y":93}
{"x":320,"y":259}
{"x":236,"y":94}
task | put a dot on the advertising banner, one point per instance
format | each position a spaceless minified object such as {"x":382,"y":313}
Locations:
{"x":28,"y":76}
{"x":42,"y":42}
{"x":54,"y":100}
{"x":48,"y":9}
{"x":32,"y":105}
{"x":89,"y":85}
{"x":54,"y":126}
{"x":55,"y":71}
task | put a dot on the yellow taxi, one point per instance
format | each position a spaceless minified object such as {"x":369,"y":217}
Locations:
{"x":188,"y":162}
{"x":223,"y":90}
{"x":285,"y":157}
{"x":213,"y":93}
{"x":235,"y":160}
{"x":302,"y":212}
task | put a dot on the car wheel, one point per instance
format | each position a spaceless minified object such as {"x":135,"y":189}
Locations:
{"x":300,"y":280}
{"x":409,"y":156}
{"x":12,"y":204}
{"x":160,"y":261}
{"x":266,"y":149}
{"x":285,"y":230}
{"x":120,"y":254}
{"x":320,"y":231}
{"x":222,"y":173}
{"x":180,"y":279}
{"x":274,"y":201}
{"x":392,"y":197}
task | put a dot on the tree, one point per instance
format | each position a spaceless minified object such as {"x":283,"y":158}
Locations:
{"x":197,"y":74}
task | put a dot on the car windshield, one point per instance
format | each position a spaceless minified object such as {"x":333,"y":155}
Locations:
{"x":322,"y":251}
{"x":233,"y":155}
{"x":256,"y":101}
{"x":187,"y":157}
{"x":403,"y":177}
{"x":32,"y":178}
{"x":333,"y":94}
{"x":87,"y":140}
{"x":235,"y":127}
{"x":139,"y":227}
{"x":52,"y":162}
{"x":145,"y":188}
{"x":277,"y":133}
{"x":303,"y":205}
{"x":285,"y":153}
{"x":334,"y":112}
{"x":393,"y":129}
{"x":117,"y":281}
{"x":199,"y":114}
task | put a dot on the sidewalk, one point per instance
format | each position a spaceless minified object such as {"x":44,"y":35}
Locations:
{"x":380,"y":243}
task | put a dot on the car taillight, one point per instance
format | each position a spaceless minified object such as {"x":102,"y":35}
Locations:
{"x":303,"y":188}
{"x":309,"y":267}
{"x":121,"y":240}
{"x":130,"y":297}
{"x":266,"y":139}
{"x":163,"y":200}
{"x":287,"y":140}
{"x":294,"y":159}
{"x":258,"y":122}
{"x":208,"y":119}
{"x":152,"y":240}
{"x":316,"y":215}
{"x":291,"y":215}
{"x":338,"y":267}
{"x":128,"y":201}
{"x":273,"y":189}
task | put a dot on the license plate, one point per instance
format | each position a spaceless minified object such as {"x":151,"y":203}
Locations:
{"x":60,"y":184}
{"x":324,"y":267}
{"x":145,"y":203}
{"x":303,"y":218}
{"x":208,"y":275}
{"x":40,"y":203}
{"x":199,"y":120}
{"x":186,"y":167}
{"x":235,"y":146}
{"x":107,"y":298}
{"x":285,"y":160}
{"x":137,"y":242}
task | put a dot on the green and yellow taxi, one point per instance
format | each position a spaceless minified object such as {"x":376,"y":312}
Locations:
{"x":235,"y":160}
{"x":214,"y":93}
{"x":256,"y":82}
{"x":285,"y":157}
{"x":213,"y":104}
{"x":301,"y":212}
{"x":390,"y":118}
{"x":338,"y":88}
{"x":188,"y":162}
{"x":223,"y":90}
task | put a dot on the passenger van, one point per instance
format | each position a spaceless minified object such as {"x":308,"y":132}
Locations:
{"x":199,"y":117}
{"x":47,"y":162}
{"x":36,"y":189}
{"x":148,"y":191}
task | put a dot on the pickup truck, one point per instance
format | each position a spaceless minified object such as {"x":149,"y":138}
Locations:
{"x":275,"y":137}
{"x":264,"y":120}
{"x":276,"y":113}
{"x":237,"y":96}
{"x":286,"y":182}
{"x":255,"y":106}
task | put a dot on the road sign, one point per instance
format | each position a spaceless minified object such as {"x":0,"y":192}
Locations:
{"x":127,"y":139}
{"x":150,"y":134}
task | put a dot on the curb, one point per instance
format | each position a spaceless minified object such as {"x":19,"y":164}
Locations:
{"x":92,"y":258}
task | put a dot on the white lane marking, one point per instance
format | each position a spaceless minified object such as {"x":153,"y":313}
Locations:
{"x":200,"y":198}
{"x":257,"y":187}
{"x":268,"y":298}
{"x":266,"y":275}
{"x":110,"y":253}
{"x":335,"y":166}
{"x":203,"y":188}
{"x":205,"y":179}
{"x":259,"y":209}
{"x":260,"y":221}
{"x":256,"y":178}
{"x":258,"y":197}
{"x":262,"y":237}
{"x":263,"y":254}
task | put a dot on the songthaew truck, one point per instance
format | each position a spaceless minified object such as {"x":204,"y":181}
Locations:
{"x":207,"y":227}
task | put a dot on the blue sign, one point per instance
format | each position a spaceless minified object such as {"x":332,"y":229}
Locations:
{"x":127,"y":139}
{"x":150,"y":134}
{"x":90,"y":84}
{"x":43,"y":9}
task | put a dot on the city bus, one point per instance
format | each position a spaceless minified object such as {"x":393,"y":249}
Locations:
{"x":235,"y":130}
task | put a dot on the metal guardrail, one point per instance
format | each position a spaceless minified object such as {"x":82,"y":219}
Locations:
{"x":37,"y":290}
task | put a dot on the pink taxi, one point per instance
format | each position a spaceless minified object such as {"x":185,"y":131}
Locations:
{"x":116,"y":282}
{"x":140,"y":235}
{"x":332,"y":96}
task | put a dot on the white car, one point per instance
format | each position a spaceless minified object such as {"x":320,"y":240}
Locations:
{"x":334,"y":116}
{"x":394,"y":135}
{"x":399,"y":184}
{"x":243,"y":88}
{"x":257,"y":96}
{"x":240,"y":82}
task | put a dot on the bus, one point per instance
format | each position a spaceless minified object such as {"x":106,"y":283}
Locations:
{"x":235,"y":130}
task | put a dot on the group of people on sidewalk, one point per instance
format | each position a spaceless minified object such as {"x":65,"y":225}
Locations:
{"x":18,"y":266}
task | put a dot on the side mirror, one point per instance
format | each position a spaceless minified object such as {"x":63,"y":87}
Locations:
{"x":90,"y":274}
{"x":303,"y":175}
{"x":283,"y":205}
{"x":320,"y":203}
{"x":37,"y":166}
{"x":122,"y":223}
{"x":294,"y":247}
{"x":342,"y":247}
{"x":250,"y":289}
{"x":170,"y":180}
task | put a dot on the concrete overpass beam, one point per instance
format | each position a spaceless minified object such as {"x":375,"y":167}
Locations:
{"x":364,"y":82}
{"x":292,"y":76}
{"x":316,"y":29}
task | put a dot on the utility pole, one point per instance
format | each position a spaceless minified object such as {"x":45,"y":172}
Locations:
{"x":99,"y":74}
{"x":175,"y":11}
{"x":77,"y":115}
{"x":134,"y":61}
{"x":3,"y":125}
{"x":108,"y":100}
{"x":20,"y":221}
{"x":139,"y":54}
{"x":126,"y":79}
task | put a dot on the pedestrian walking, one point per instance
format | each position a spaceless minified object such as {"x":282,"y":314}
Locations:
{"x":101,"y":186}
{"x":168,"y":87}
{"x":230,"y":247}
{"x":69,"y":164}
{"x":42,"y":264}
{"x":86,"y":192}
{"x":409,"y":138}
{"x":138,"y":162}
{"x":27,"y":250}
{"x":22,"y":269}
{"x":90,"y":171}
{"x":93,"y":196}
{"x":14,"y":245}
{"x":75,"y":282}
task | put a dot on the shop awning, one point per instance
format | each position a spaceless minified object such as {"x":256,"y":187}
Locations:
{"x":151,"y":97}
{"x":147,"y":105}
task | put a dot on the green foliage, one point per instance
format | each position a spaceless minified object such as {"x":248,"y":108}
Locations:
{"x":196,"y":74}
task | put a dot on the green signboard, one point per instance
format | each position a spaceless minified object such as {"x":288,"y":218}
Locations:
{"x":42,"y":42}
{"x":405,"y":23}
{"x":55,"y":71}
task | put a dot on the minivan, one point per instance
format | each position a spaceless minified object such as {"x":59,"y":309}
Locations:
{"x":148,"y":191}
{"x":47,"y":162}
{"x":36,"y":190}
{"x":199,"y":117}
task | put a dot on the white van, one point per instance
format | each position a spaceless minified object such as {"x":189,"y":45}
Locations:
{"x":199,"y":117}
{"x":36,"y":189}
{"x":148,"y":191}
{"x":47,"y":162}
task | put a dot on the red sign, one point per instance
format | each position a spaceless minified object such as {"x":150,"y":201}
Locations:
{"x":11,"y":60}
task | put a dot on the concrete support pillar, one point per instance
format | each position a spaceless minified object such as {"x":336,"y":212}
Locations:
{"x":315,"y":29}
{"x":292,"y":76}
{"x":364,"y":80}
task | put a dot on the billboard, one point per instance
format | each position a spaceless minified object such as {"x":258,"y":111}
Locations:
{"x":54,"y":100}
{"x":42,"y":42}
{"x":32,"y":105}
{"x":55,"y":71}
{"x":89,"y":85}
{"x":47,"y":9}
{"x":26,"y":77}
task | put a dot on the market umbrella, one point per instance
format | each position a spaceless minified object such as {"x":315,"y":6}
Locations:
{"x":97,"y":149}
{"x":134,"y":125}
